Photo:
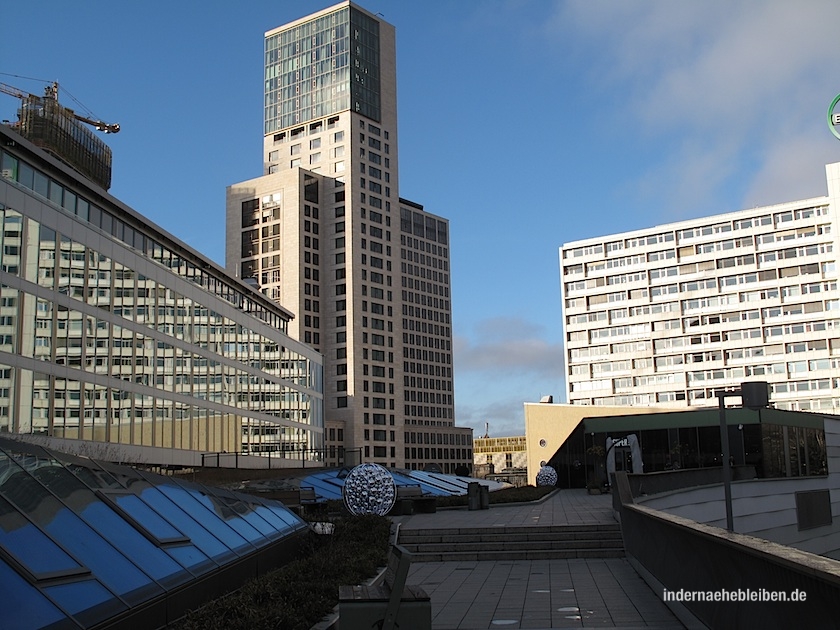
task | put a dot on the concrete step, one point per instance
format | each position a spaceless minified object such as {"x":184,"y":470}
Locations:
{"x":514,"y":543}
{"x":512,"y":537}
{"x":542,"y":554}
{"x":543,"y":529}
{"x":444,"y":547}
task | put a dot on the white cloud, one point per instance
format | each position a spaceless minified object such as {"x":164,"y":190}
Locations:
{"x":502,"y":417}
{"x":510,"y":363}
{"x":734,"y":93}
{"x":508,"y":345}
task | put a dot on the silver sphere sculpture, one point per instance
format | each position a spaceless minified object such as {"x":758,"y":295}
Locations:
{"x":369,"y":489}
{"x":547,"y":476}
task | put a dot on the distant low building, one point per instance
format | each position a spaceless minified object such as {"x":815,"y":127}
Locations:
{"x":501,"y":459}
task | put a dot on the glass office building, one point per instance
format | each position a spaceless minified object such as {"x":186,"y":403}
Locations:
{"x":123,"y":342}
{"x":309,"y":67}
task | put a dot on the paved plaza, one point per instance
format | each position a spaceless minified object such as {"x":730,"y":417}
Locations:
{"x":536,"y":594}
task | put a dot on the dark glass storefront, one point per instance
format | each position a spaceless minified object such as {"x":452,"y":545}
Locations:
{"x":775,"y":443}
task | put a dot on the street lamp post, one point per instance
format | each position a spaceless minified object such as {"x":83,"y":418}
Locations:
{"x":754,"y":395}
{"x":724,"y":442}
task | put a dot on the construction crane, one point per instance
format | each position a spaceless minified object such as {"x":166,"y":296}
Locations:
{"x":51,"y":93}
{"x":59,"y":131}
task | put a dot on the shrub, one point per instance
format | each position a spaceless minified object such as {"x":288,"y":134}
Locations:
{"x":298,"y":595}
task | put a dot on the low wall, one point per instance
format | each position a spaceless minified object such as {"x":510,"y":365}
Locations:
{"x":666,"y":481}
{"x":766,"y":508}
{"x":773,"y":509}
{"x":680,"y":555}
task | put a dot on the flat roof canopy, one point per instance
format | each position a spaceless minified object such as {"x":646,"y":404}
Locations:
{"x":702,"y":418}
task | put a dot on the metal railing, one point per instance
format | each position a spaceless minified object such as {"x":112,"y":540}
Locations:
{"x":315,"y":457}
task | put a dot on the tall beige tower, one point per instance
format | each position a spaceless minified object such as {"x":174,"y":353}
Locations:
{"x":325,"y":233}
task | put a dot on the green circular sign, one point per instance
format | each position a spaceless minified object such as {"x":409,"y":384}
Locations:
{"x":832,"y":118}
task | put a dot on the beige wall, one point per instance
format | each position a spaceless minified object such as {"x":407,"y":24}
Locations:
{"x":554,"y":423}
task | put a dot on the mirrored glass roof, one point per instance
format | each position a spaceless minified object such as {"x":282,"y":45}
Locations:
{"x":82,"y":541}
{"x":328,"y":483}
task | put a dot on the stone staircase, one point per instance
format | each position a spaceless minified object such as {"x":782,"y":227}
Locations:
{"x":514,"y":543}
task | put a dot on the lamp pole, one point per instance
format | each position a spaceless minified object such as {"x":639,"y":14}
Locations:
{"x":724,"y":443}
{"x":754,"y":395}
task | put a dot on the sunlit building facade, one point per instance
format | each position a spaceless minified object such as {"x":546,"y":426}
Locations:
{"x":325,"y":232}
{"x":121,"y":341}
{"x":668,"y":316}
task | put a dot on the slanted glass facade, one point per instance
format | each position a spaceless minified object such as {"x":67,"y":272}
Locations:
{"x":320,"y":67}
{"x":82,"y":542}
{"x":111,"y":331}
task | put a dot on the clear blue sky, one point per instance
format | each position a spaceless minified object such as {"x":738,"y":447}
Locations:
{"x":527,"y":123}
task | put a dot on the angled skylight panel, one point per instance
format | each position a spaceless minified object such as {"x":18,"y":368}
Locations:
{"x":190,"y":503}
{"x":408,"y":478}
{"x":283,"y":513}
{"x":69,"y":531}
{"x":183,"y":522}
{"x":277,"y":515}
{"x":86,"y":600}
{"x":237,"y":507}
{"x":88,"y":472}
{"x":442,"y":484}
{"x":327,"y":484}
{"x":103,"y":477}
{"x":24,"y":606}
{"x":246,"y":508}
{"x":32,"y":549}
{"x":111,"y":525}
{"x":160,"y":531}
{"x":48,"y":565}
{"x":188,"y":526}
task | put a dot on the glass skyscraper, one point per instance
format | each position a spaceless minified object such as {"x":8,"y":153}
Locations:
{"x":321,"y":67}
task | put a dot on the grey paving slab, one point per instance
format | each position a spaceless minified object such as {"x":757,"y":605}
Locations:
{"x":539,"y":594}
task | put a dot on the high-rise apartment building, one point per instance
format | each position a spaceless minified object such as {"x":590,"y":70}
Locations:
{"x":325,"y":233}
{"x":669,"y":315}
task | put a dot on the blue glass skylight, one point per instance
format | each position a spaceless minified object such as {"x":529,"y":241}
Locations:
{"x":82,"y":541}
